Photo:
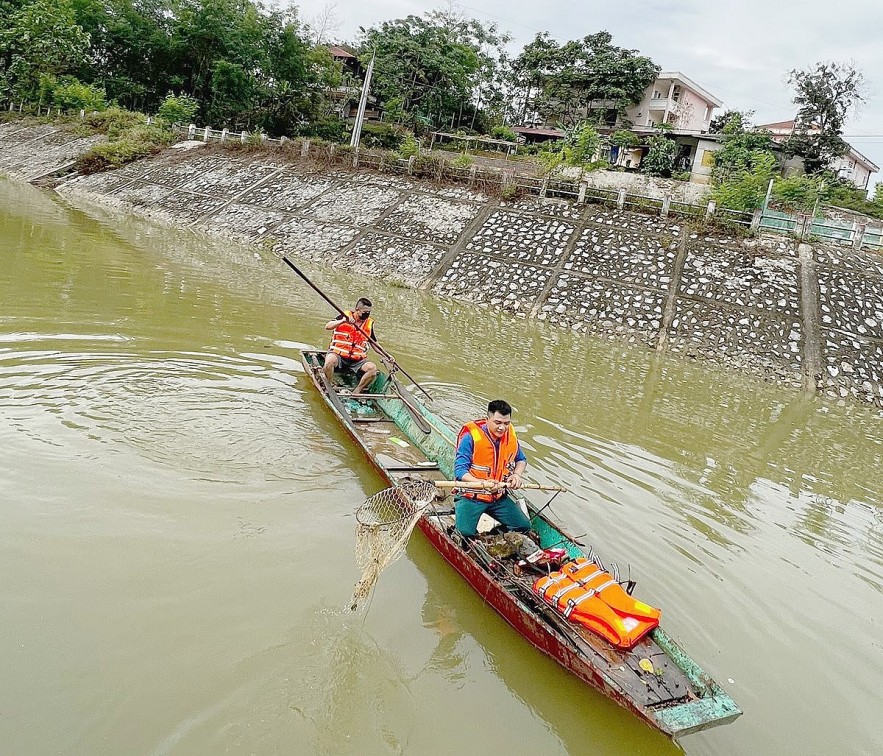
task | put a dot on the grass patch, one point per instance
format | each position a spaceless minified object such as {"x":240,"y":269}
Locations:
{"x":129,"y":138}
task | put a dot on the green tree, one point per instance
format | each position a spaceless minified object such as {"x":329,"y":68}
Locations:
{"x":590,"y":75}
{"x":424,"y":71}
{"x":130,"y":54}
{"x":489,"y":100}
{"x":731,"y":120}
{"x":660,"y":159}
{"x":824,"y":95}
{"x":41,"y":41}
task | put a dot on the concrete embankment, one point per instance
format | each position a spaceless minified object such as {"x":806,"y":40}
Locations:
{"x":806,"y":315}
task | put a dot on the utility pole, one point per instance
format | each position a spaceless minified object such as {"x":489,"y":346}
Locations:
{"x":363,"y":101}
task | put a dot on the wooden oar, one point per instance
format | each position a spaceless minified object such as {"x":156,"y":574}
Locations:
{"x":377,"y":348}
{"x":487,"y":485}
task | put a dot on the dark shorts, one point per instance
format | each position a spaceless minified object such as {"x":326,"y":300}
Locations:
{"x":355,"y":366}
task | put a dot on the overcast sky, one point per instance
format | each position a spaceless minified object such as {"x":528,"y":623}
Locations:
{"x":739,"y":51}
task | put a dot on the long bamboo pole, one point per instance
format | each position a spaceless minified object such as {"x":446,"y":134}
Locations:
{"x":377,"y":348}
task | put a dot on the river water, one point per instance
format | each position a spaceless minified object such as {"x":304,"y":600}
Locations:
{"x":176,"y":520}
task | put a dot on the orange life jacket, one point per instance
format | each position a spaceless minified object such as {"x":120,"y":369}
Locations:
{"x":488,"y":461}
{"x":589,"y":596}
{"x":348,"y":341}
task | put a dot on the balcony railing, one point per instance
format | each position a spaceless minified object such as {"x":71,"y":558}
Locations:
{"x":661,"y":103}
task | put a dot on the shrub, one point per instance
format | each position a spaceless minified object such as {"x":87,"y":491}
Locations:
{"x":114,"y":122}
{"x":504,"y":132}
{"x":462,"y":161}
{"x":177,"y":109}
{"x":625,"y":139}
{"x":580,"y":144}
{"x":329,"y":129}
{"x":409,"y":147}
{"x":797,"y":193}
{"x":681,"y":175}
{"x":746,"y":189}
{"x":386,"y":136}
{"x":113,"y":155}
{"x":129,"y":139}
{"x":74,"y":95}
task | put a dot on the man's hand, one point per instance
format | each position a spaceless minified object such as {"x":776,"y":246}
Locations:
{"x":514,"y":481}
{"x":493,"y":485}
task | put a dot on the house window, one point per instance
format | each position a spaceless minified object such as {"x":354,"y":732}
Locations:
{"x":676,"y":93}
{"x":657,"y":95}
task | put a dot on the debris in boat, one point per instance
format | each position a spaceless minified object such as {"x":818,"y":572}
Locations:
{"x":646,"y":665}
{"x":399,"y":442}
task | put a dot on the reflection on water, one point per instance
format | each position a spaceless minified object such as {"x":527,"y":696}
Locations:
{"x":176,"y":535}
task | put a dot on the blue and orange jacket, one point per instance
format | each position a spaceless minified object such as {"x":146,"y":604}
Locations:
{"x":489,"y":461}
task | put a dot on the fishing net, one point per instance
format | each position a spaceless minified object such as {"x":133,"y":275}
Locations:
{"x":383,"y":524}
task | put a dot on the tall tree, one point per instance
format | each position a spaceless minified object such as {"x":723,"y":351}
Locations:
{"x":742,"y":149}
{"x":590,"y":75}
{"x":741,"y":118}
{"x":825,"y":95}
{"x":130,"y":52}
{"x":41,"y":41}
{"x":424,"y":71}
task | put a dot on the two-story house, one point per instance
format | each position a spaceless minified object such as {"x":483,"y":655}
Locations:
{"x":675,"y":100}
{"x":672,"y":99}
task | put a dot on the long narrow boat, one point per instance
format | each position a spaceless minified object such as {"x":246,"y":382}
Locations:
{"x":404,"y":439}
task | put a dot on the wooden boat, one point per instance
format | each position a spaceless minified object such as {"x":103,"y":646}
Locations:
{"x":402,"y":438}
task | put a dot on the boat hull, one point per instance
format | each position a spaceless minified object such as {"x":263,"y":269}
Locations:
{"x":685,"y":700}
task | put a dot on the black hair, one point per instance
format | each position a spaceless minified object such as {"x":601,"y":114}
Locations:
{"x":363,"y":302}
{"x":499,"y":405}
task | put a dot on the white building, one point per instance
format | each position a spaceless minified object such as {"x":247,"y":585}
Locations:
{"x":676,"y":100}
{"x":852,"y":166}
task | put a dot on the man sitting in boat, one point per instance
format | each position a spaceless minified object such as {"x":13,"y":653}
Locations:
{"x":349,"y":345}
{"x":488,"y":452}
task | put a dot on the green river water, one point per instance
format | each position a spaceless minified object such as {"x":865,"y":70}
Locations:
{"x":177,"y":531}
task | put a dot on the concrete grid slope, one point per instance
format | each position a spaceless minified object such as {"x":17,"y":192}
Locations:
{"x":799,"y":314}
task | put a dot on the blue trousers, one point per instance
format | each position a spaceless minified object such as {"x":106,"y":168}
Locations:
{"x":506,"y":511}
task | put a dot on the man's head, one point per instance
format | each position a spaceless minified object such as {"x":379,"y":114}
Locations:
{"x":363,"y":309}
{"x":499,"y":416}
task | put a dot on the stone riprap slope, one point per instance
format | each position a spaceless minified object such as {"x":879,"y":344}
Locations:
{"x":30,"y":151}
{"x":801,"y":314}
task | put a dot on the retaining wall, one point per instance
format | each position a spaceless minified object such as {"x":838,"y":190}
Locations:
{"x":803,"y":315}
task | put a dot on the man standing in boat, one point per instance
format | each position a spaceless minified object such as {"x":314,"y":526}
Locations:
{"x":349,"y":345}
{"x":488,"y":452}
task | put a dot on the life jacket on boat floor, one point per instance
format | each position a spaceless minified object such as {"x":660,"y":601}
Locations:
{"x":587,"y":595}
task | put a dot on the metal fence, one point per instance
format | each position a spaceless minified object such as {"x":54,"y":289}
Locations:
{"x":509,"y":182}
